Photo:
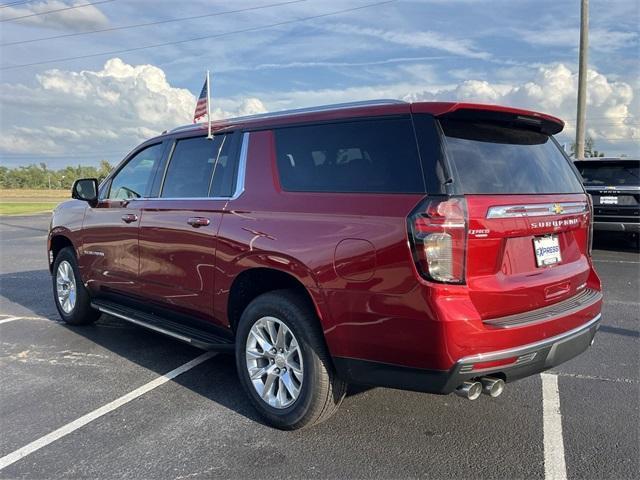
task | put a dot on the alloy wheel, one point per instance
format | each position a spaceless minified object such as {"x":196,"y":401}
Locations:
{"x":66,"y":287}
{"x":274,"y":362}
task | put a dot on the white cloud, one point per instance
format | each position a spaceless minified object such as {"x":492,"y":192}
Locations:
{"x":77,"y":19}
{"x":92,"y":111}
{"x":613,"y":107}
{"x":117,"y":107}
{"x":611,"y":113}
{"x":249,"y":106}
{"x":415,"y":39}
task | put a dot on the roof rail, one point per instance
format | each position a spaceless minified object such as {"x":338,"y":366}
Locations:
{"x":298,"y":111}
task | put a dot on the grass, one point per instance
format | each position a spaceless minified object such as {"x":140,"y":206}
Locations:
{"x":20,"y":208}
{"x":27,"y":201}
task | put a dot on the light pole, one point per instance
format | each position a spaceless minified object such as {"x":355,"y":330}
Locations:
{"x":581,"y":116}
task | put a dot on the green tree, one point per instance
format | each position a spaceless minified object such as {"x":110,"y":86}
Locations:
{"x":41,"y":177}
{"x":104,"y":169}
{"x":589,"y":149}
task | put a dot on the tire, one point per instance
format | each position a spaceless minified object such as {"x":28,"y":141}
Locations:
{"x":320,"y":391}
{"x":75,"y":307}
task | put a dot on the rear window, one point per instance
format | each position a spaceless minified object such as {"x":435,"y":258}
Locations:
{"x":610,"y":172}
{"x":492,"y":158}
{"x":356,"y":156}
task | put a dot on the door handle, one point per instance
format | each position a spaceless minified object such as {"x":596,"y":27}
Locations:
{"x":197,"y":222}
{"x":129,"y":217}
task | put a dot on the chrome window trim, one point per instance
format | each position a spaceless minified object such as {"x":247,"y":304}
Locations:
{"x":242,"y":166}
{"x":537,"y":210}
{"x":239,"y":187}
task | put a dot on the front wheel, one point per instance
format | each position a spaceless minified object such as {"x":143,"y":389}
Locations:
{"x":283,"y":364}
{"x":70,"y":295}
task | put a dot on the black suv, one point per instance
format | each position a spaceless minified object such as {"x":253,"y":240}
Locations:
{"x":614,"y":184}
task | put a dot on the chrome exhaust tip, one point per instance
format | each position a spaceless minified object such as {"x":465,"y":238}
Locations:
{"x":469,"y":390}
{"x":492,"y":386}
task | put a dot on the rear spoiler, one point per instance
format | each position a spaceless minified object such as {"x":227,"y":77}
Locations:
{"x":515,"y":117}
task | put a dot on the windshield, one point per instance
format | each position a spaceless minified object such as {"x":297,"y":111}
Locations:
{"x":493,"y":158}
{"x":610,"y":173}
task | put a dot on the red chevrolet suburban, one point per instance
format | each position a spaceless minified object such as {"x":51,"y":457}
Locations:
{"x":435,"y":247}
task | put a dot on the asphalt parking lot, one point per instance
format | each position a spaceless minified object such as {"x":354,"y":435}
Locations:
{"x":199,"y":423}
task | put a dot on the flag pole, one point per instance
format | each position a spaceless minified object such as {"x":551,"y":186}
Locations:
{"x":209,"y":136}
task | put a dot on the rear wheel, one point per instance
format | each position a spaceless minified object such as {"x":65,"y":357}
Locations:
{"x":283,"y":364}
{"x":69,"y":293}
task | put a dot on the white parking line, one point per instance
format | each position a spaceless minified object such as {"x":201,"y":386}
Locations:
{"x":91,"y":416}
{"x":614,"y":261}
{"x":10,"y":319}
{"x":554,"y":464}
{"x":53,"y":320}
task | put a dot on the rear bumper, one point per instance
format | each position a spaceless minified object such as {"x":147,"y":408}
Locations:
{"x":527,"y":360}
{"x":616,"y":226}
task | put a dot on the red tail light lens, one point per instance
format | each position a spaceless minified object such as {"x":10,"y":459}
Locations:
{"x":438,"y":233}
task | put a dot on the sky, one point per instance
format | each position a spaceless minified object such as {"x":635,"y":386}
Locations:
{"x":68,"y":96}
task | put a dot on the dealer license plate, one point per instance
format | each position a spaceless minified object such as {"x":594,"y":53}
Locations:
{"x":547,"y":250}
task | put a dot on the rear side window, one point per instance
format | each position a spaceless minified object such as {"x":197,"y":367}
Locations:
{"x":610,"y":172}
{"x":200,"y":167}
{"x":356,"y":156}
{"x":492,"y":158}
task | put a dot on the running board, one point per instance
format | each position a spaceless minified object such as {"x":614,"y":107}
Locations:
{"x":193,"y":336}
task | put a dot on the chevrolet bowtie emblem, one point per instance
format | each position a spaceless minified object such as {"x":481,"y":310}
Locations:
{"x":557,"y":209}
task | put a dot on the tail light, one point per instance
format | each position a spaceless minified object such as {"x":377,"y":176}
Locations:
{"x":590,"y":227}
{"x":438,"y":235}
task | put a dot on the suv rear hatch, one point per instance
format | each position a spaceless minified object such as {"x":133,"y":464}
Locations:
{"x":525,"y":211}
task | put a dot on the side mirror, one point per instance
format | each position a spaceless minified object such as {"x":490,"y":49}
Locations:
{"x":85,"y":189}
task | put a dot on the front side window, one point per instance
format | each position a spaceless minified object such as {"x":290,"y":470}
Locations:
{"x":200,"y":167}
{"x":135,"y":178}
{"x":367,"y":156}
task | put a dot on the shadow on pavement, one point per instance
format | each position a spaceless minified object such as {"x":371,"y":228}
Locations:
{"x":29,"y":289}
{"x":6,"y":221}
{"x":615,"y":241}
{"x":215,"y":380}
{"x":619,"y":331}
{"x":140,"y":346}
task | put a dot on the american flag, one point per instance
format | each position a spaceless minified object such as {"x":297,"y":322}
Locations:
{"x":201,"y":106}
